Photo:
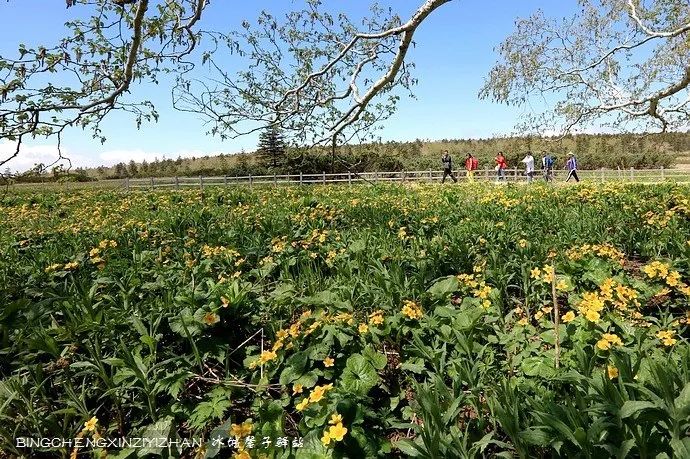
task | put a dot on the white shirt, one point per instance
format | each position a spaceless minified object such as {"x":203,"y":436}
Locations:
{"x":529,"y":163}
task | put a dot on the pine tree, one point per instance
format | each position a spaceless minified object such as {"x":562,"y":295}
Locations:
{"x":272,"y":150}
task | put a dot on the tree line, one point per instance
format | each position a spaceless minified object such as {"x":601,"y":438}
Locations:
{"x":274,"y":156}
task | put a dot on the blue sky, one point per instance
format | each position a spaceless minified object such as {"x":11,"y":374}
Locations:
{"x":453,"y":54}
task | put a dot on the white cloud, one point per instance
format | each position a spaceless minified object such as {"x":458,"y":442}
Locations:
{"x":47,"y":154}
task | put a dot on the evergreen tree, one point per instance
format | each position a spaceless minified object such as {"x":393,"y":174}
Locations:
{"x":272,"y":149}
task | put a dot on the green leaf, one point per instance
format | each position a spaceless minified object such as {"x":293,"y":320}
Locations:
{"x":444,"y":287}
{"x":359,"y":375}
{"x":633,"y":407}
{"x":538,"y":366}
{"x":682,"y":404}
{"x":376,"y":359}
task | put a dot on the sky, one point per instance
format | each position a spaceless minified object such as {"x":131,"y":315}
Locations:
{"x":453,"y":54}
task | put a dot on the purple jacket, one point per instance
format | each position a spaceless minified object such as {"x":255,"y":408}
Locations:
{"x":571,"y":165}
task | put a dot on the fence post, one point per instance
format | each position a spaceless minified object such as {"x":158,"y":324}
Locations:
{"x":349,"y":177}
{"x":486,"y":173}
{"x":153,"y":184}
{"x":323,"y":177}
{"x":403,"y":176}
{"x":663,"y":176}
{"x":431,"y":176}
{"x":632,"y":174}
{"x":127,"y":183}
{"x":275,"y":180}
{"x":515,"y":174}
{"x":201,"y":182}
{"x":251,"y":182}
{"x":177,"y":182}
{"x":225,"y":180}
{"x":300,"y":177}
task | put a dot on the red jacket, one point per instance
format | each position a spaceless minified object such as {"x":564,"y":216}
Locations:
{"x":501,"y":161}
{"x":471,"y":164}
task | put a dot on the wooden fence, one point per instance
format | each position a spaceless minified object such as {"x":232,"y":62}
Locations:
{"x":511,"y":175}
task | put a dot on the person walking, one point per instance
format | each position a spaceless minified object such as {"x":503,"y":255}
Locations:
{"x":501,"y":166}
{"x":447,"y":162}
{"x":471,"y":165}
{"x":571,"y":167}
{"x":529,"y":166}
{"x":547,"y":162}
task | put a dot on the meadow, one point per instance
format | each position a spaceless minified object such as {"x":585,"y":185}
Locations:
{"x":348,"y":321}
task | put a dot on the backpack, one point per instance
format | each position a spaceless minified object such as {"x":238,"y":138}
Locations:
{"x":474,"y":163}
{"x":548,"y":161}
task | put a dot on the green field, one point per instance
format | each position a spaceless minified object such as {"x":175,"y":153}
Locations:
{"x":364,"y":321}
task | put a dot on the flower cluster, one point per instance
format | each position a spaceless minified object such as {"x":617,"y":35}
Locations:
{"x":315,"y":396}
{"x":336,"y":431}
{"x":666,"y":337}
{"x":600,"y":250}
{"x":608,"y":340}
{"x":412,"y":310}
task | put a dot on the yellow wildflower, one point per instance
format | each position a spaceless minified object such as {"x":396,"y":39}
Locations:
{"x":297,"y":389}
{"x":328,"y":362}
{"x":211,"y":318}
{"x":612,"y":372}
{"x":267,"y":356}
{"x":90,"y":425}
{"x":301,"y":406}
{"x":241,"y":430}
{"x":568,"y":317}
{"x":666,"y":337}
{"x":363,"y":328}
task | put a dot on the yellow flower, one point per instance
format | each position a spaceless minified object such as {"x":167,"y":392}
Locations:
{"x":673,"y":279}
{"x":326,"y":439}
{"x":376,"y":318}
{"x":412,"y":310}
{"x":612,"y":338}
{"x":603,"y":344}
{"x":90,"y":425}
{"x":301,"y":406}
{"x":561,"y":285}
{"x":522,"y":243}
{"x":363,"y":328}
{"x":336,"y":419}
{"x":328,"y":362}
{"x":241,"y":430}
{"x":297,"y":389}
{"x":666,"y":337}
{"x":211,"y":318}
{"x":612,"y":371}
{"x":523,"y":322}
{"x":607,"y":340}
{"x":267,"y":356}
{"x":71,"y":266}
{"x":538,"y":315}
{"x":337,"y":432}
{"x":568,"y":317}
{"x":241,"y":455}
{"x":592,"y":316}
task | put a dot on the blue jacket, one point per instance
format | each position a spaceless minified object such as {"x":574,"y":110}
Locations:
{"x":571,"y":165}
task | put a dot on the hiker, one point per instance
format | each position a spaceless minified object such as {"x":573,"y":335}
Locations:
{"x":471,"y":164}
{"x":501,"y":166}
{"x":571,"y":167}
{"x":529,"y":166}
{"x":447,"y":167}
{"x":547,"y":162}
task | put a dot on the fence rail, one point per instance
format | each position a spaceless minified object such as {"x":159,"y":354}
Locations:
{"x":511,"y":175}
